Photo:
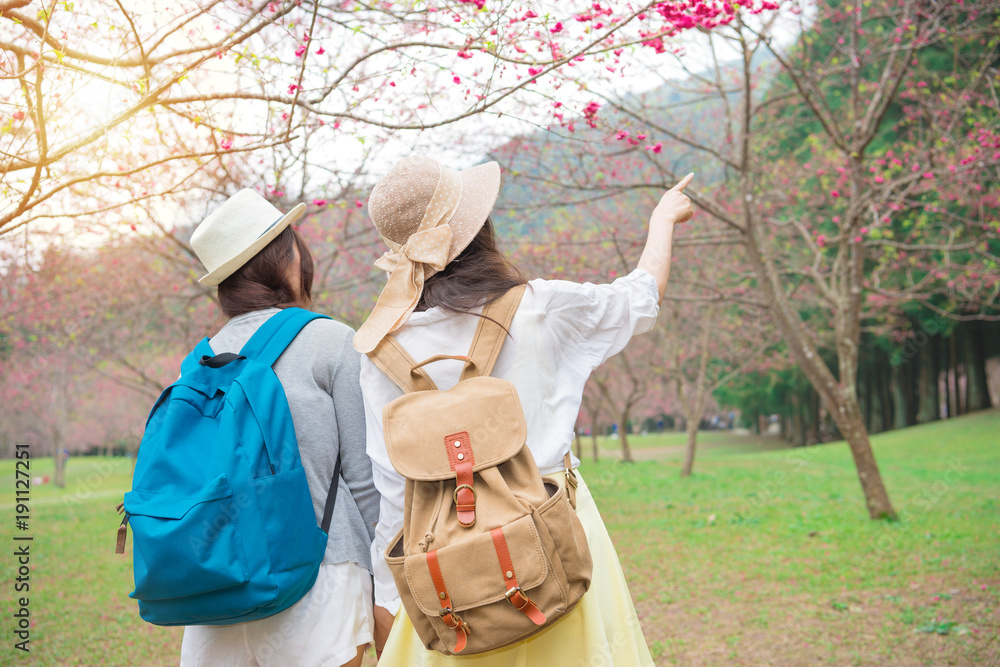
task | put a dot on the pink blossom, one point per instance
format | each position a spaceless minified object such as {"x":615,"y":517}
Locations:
{"x":879,"y":179}
{"x":457,"y":79}
{"x":834,"y":193}
{"x":590,"y":113}
{"x":821,"y":240}
{"x":358,"y":203}
{"x":299,"y":51}
{"x":319,"y":202}
{"x":292,"y":88}
{"x":534,"y":71}
{"x":320,"y":51}
{"x":928,"y":174}
{"x":226,"y":143}
{"x":557,"y":28}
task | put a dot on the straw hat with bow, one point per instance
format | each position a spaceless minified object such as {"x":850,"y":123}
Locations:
{"x":426,"y":214}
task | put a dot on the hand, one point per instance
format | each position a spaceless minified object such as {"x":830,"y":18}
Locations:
{"x":383,"y":625}
{"x":674,"y":206}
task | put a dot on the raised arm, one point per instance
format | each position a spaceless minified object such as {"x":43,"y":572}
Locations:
{"x":674,"y":208}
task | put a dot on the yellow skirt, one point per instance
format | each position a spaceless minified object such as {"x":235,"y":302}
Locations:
{"x":602,"y":631}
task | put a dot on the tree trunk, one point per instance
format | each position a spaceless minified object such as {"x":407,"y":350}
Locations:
{"x":798,"y":429}
{"x":928,"y":370}
{"x":899,"y":381}
{"x":992,"y":371}
{"x":951,"y":378}
{"x":692,"y":444}
{"x":978,"y":390}
{"x":865,"y":393}
{"x":885,"y":392}
{"x":812,"y":434}
{"x":58,"y":476}
{"x":577,"y":443}
{"x":593,"y":436}
{"x":851,"y":424}
{"x":623,"y":435}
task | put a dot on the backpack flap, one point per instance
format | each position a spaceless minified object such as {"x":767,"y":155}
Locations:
{"x":482,"y":415}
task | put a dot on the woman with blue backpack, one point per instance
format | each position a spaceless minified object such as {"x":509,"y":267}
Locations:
{"x":489,"y":550}
{"x":253,"y":505}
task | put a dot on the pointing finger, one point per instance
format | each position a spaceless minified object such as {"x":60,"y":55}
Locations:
{"x":683,"y":184}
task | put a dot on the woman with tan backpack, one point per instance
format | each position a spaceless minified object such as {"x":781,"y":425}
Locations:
{"x":489,"y":548}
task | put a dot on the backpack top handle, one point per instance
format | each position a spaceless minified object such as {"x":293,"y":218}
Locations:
{"x":442,"y":357}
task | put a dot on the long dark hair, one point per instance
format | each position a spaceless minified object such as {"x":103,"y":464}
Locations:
{"x":263,"y":281}
{"x":480,"y":275}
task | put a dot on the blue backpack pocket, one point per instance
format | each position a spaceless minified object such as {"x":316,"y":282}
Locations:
{"x":196,"y":538}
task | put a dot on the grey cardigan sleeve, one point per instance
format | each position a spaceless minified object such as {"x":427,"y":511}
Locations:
{"x":355,"y":466}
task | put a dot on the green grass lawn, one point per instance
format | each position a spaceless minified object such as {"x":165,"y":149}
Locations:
{"x":671,"y":444}
{"x":763,"y":558}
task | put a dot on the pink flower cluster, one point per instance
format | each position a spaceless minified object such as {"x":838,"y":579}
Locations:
{"x":590,"y":113}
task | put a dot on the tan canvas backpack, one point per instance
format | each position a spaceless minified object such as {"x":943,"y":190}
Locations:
{"x":490,"y":552}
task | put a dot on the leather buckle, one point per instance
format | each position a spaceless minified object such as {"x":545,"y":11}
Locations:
{"x":455,"y":618}
{"x":464,"y":486}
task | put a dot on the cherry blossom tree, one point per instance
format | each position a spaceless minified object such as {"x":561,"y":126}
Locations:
{"x":108,"y":109}
{"x":837,"y":157}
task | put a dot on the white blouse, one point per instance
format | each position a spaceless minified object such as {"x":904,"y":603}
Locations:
{"x":561,"y":332}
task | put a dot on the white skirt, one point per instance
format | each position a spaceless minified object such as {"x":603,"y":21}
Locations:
{"x":325,"y":627}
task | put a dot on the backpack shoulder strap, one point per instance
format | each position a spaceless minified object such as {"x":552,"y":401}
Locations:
{"x":491,"y":332}
{"x":271,"y":339}
{"x":397,"y":364}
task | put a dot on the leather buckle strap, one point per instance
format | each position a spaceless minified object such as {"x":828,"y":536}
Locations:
{"x":571,"y":481}
{"x":515,"y":594}
{"x":461,"y":459}
{"x":465,"y":486}
{"x":447,"y":614}
{"x":453,"y":621}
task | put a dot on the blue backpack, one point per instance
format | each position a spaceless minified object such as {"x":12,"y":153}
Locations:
{"x":223,"y":527}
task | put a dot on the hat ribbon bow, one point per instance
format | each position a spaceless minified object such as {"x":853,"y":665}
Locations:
{"x":429,"y":247}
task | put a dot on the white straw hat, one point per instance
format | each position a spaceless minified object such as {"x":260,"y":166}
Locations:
{"x":236,"y":231}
